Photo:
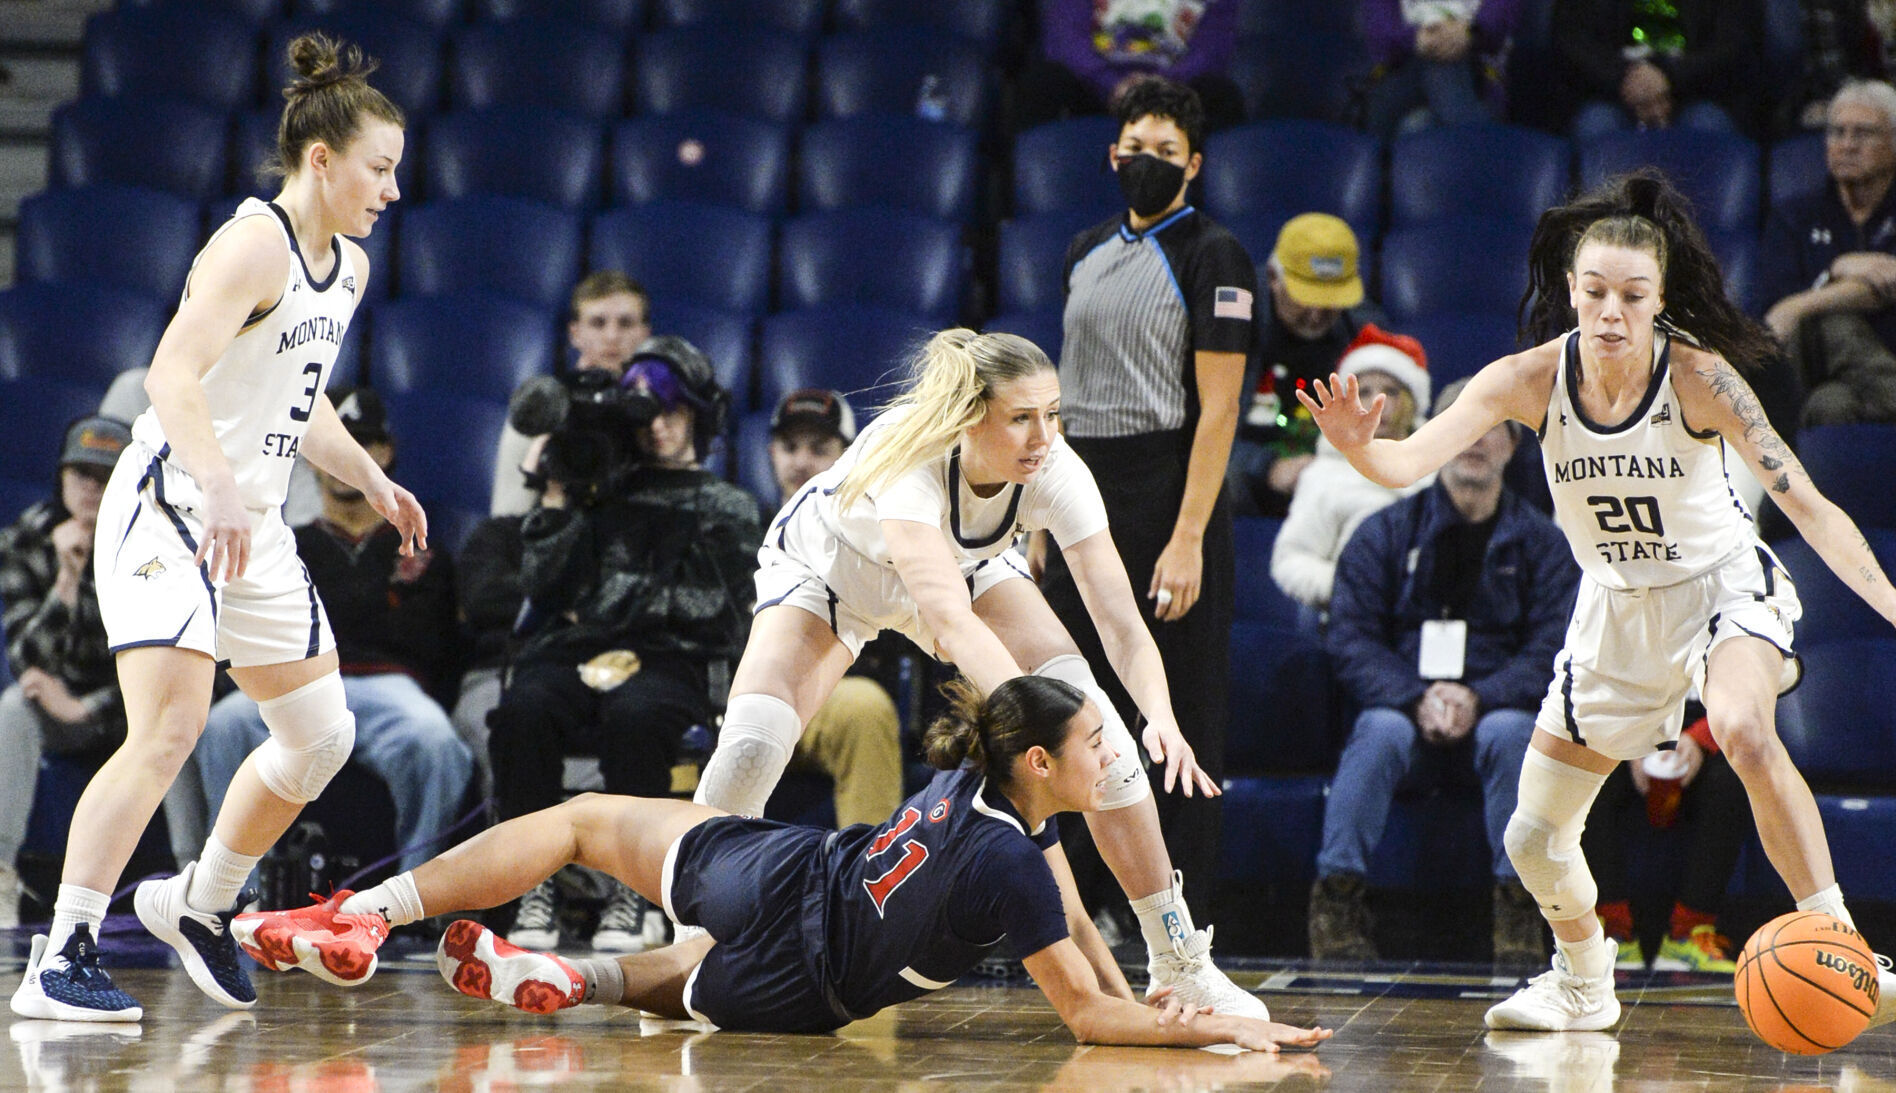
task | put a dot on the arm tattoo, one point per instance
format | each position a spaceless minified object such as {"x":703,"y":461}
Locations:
{"x":1869,"y":573}
{"x":1773,"y":454}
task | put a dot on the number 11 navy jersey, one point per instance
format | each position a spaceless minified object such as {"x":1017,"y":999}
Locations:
{"x":918,"y":900}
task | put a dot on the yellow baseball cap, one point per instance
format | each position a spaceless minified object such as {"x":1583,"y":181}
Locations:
{"x":1318,"y":256}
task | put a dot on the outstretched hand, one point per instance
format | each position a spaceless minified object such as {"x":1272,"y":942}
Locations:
{"x":1338,"y":410}
{"x":1165,"y":744}
{"x":399,"y":507}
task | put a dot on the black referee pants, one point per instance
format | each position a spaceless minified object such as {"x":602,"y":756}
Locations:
{"x":1142,"y":479}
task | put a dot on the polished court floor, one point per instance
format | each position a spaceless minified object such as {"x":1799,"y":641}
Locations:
{"x":1398,"y":1028}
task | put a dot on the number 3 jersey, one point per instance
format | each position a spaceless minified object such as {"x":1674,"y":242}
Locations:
{"x":263,"y":390}
{"x":916,"y":901}
{"x":1645,"y":502}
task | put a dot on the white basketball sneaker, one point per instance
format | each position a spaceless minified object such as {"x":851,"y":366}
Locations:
{"x":1196,"y":981}
{"x":1886,"y":993}
{"x":1557,"y":1000}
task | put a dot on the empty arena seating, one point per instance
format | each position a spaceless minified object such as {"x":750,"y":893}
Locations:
{"x":538,"y":62}
{"x":1465,"y":264}
{"x":515,"y":151}
{"x":703,"y":156}
{"x":76,"y":332}
{"x":1063,"y":165}
{"x":887,"y":68}
{"x":892,"y":160}
{"x":1852,"y":465}
{"x":1278,"y":169}
{"x":136,"y":52}
{"x":119,"y":235}
{"x":1031,"y":259}
{"x":497,"y":345}
{"x":881,"y":257}
{"x":163,"y":144}
{"x":407,"y":53}
{"x":1501,"y":171}
{"x":1718,"y":172}
{"x":618,"y":16}
{"x":754,"y":72}
{"x":860,"y":351}
{"x":476,"y":244}
{"x":663,"y":245}
{"x":802,"y":18}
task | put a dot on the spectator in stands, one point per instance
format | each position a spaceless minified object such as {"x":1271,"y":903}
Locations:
{"x":1631,"y":64}
{"x":1332,"y":497}
{"x":65,"y":695}
{"x":638,"y":581}
{"x":393,"y":616}
{"x":1313,"y":311}
{"x":1693,"y":786}
{"x":611,"y":315}
{"x":1829,"y":262}
{"x":1438,"y":62}
{"x":855,"y":737}
{"x":1448,"y":608}
{"x":1091,"y":52}
{"x":1840,"y":44}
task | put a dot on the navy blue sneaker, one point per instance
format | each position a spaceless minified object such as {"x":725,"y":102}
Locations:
{"x":69,"y":985}
{"x":203,"y":941}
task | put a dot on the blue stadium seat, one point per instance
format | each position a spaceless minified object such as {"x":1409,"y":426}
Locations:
{"x":77,"y":333}
{"x":499,"y":245}
{"x":472,"y":345}
{"x":1299,"y":76}
{"x":447,"y":443}
{"x":538,"y":62}
{"x":1719,"y":172}
{"x":759,"y":73}
{"x":120,"y":235}
{"x":1468,"y":263}
{"x":1272,"y":829}
{"x":1501,"y":171}
{"x":889,"y":159}
{"x":667,"y":247}
{"x":1862,"y":836}
{"x":702,"y":155}
{"x":1831,"y":611}
{"x":1031,"y":259}
{"x":1797,"y":168}
{"x":1280,"y":710}
{"x":34,"y":413}
{"x":1046,"y":329}
{"x":407,"y":53}
{"x":802,"y":18}
{"x":254,"y":12}
{"x":163,"y":144}
{"x":253,"y":142}
{"x":860,"y":351}
{"x":515,"y":151}
{"x":348,"y":370}
{"x":1433,"y":840}
{"x":751,"y":463}
{"x":188,"y":52}
{"x":437,"y":14}
{"x":1063,"y":165}
{"x":1460,"y":343}
{"x":1737,"y":253}
{"x":982,"y":21}
{"x":885,"y":70}
{"x":724,"y":336}
{"x":1854,"y":465}
{"x":1258,"y":598}
{"x":621,"y":17}
{"x":1278,"y":169}
{"x":1838,"y":724}
{"x":879,"y":257}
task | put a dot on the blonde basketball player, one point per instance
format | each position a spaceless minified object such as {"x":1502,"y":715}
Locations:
{"x":193,"y":562}
{"x":1637,"y":405}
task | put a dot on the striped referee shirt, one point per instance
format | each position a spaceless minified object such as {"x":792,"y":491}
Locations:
{"x":1138,"y":306}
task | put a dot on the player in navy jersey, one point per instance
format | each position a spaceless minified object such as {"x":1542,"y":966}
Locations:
{"x":194,"y":564}
{"x":1637,"y":404}
{"x":807,"y":929}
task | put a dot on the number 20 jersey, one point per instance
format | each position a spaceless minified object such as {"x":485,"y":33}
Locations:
{"x":1646,"y":502}
{"x":262,"y":391}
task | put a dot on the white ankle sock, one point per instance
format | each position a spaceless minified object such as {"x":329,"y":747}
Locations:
{"x":395,"y":899}
{"x":1830,"y":902}
{"x":71,"y":907}
{"x":221,"y":873}
{"x":1592,"y":958}
{"x":605,"y":980}
{"x":1163,"y":916}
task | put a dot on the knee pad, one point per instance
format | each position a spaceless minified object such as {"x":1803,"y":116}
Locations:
{"x":312,"y":733}
{"x":754,"y":746}
{"x":1126,"y":783}
{"x":1543,"y":836}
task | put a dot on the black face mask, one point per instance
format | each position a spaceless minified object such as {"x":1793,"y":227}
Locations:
{"x":1149,"y":183}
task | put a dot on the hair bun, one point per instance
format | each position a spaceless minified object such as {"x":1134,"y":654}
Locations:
{"x":320,"y":61}
{"x":1643,"y":194}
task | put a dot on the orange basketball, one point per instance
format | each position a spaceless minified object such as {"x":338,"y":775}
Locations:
{"x":1807,"y":983}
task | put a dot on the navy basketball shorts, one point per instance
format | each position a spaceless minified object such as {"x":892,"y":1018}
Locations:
{"x":748,"y":883}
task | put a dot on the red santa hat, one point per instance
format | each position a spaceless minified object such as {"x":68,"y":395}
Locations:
{"x":1377,"y":350}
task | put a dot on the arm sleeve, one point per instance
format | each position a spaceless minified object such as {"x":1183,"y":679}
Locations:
{"x":1367,"y":582}
{"x":1221,"y":295}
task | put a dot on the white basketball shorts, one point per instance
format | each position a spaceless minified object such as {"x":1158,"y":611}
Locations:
{"x":1632,"y":657}
{"x":802,"y":564}
{"x":150,"y":593}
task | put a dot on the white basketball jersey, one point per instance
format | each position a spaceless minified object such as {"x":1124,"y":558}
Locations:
{"x":1645,"y":502}
{"x":263,"y":389}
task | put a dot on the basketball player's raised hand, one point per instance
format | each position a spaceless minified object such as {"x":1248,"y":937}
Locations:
{"x":1338,"y":410}
{"x":399,"y":507}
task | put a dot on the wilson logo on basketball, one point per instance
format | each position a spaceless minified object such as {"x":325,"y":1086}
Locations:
{"x":1860,"y":977}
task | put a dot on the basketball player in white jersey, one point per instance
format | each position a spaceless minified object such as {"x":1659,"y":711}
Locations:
{"x":194,"y":564}
{"x":1638,"y":406}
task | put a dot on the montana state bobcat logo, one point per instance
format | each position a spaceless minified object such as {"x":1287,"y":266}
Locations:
{"x":349,"y":285}
{"x":1664,"y":416}
{"x":150,"y":569}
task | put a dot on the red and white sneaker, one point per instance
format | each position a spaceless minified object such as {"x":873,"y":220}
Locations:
{"x":481,"y":964}
{"x":334,"y":947}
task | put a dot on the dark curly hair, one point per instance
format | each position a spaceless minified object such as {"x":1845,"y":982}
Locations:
{"x":1641,"y":210}
{"x":1161,"y":98}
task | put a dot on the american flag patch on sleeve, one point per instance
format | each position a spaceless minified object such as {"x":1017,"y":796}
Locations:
{"x":1231,"y":303}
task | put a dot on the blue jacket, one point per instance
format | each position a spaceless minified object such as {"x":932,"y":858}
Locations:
{"x":1516,"y":622}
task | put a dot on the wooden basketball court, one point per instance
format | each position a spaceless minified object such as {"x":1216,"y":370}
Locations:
{"x":1399,"y":1027}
